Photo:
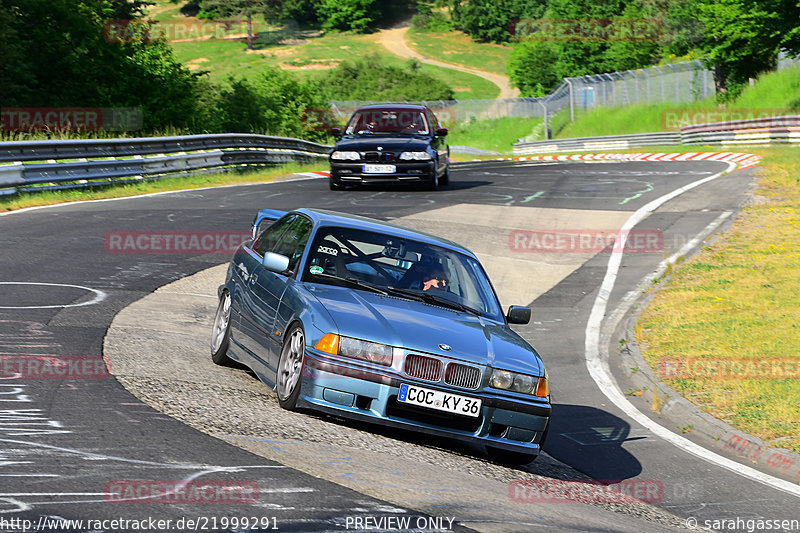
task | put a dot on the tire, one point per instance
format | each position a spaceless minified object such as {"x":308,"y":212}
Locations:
{"x":334,"y":185}
{"x":290,"y":368}
{"x":221,"y":332}
{"x":445,"y":180}
{"x":433,"y":184}
{"x":508,"y":457}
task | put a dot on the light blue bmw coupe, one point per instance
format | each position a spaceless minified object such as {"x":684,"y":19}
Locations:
{"x":368,"y":320}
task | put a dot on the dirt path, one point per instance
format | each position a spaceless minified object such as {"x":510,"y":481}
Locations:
{"x":394,"y":40}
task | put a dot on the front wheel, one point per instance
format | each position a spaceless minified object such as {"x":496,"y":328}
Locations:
{"x":433,"y":183}
{"x":221,"y":332}
{"x":445,"y":179}
{"x":290,"y":368}
{"x":334,"y":184}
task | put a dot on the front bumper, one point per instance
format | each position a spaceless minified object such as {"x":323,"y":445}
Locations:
{"x":406,"y":171}
{"x":370,"y":395}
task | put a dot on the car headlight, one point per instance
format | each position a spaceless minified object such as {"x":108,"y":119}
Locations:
{"x":373,"y":352}
{"x":512,"y":381}
{"x":345,"y":155}
{"x":419,"y":156}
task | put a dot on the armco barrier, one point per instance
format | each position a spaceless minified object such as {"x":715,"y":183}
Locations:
{"x":771,"y":130}
{"x":47,"y":165}
{"x":609,"y":142}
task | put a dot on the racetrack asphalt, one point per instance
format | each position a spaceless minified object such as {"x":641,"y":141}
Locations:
{"x":73,"y":437}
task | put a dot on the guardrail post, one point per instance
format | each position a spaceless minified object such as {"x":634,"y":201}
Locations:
{"x":546,"y":132}
{"x":571,"y":100}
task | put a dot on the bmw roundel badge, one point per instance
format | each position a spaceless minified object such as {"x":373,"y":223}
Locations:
{"x":445,"y":347}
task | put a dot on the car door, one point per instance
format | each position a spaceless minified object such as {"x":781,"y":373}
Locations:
{"x":255,"y":309}
{"x":272,"y":287}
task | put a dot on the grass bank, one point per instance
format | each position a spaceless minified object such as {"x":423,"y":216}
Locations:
{"x":310,"y":58}
{"x":774,"y":93}
{"x":724,"y":328}
{"x":458,"y":48}
{"x":498,"y":134}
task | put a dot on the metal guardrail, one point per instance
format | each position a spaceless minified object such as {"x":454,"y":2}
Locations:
{"x":589,"y":144}
{"x":769,"y":130}
{"x":66,"y":164}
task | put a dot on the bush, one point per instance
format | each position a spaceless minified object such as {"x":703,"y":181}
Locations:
{"x":371,"y":79}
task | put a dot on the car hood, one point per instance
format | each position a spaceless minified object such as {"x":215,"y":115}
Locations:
{"x":364,"y":143}
{"x":422,"y":327}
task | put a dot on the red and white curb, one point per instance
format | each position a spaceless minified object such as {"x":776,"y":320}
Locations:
{"x":315,"y":173}
{"x":742,"y":160}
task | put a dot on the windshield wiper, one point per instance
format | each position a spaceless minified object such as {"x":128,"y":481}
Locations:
{"x":434,"y":299}
{"x":353,"y":281}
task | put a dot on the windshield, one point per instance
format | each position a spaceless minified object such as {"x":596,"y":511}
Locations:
{"x":371,"y":121}
{"x":364,"y":260}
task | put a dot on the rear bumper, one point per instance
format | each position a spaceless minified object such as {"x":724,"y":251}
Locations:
{"x":370,"y":395}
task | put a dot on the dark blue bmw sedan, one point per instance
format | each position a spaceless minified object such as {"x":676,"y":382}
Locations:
{"x":391,"y":143}
{"x":368,"y":320}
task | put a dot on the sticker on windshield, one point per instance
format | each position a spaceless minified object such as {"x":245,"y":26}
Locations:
{"x":316,"y":270}
{"x":328,"y":250}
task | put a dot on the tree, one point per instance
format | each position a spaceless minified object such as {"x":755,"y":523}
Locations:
{"x":356,"y":15}
{"x":580,"y":37}
{"x":742,"y":38}
{"x":271,"y":9}
{"x":531,"y":68}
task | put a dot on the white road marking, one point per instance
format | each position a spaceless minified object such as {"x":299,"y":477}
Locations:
{"x":597,"y":360}
{"x":99,"y":295}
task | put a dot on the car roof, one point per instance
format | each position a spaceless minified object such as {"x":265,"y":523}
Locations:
{"x":407,"y":107}
{"x":323,"y":217}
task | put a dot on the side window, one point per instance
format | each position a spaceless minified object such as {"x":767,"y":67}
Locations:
{"x":267,"y":240}
{"x":434,"y":121}
{"x":294,"y":240}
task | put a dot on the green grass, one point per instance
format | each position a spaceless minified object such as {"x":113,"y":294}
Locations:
{"x":772,"y":94}
{"x":497,"y":134}
{"x":33,"y":199}
{"x":310,"y":59}
{"x":776,"y":90}
{"x":738,"y":302}
{"x":459,"y":48}
{"x":638,"y":118}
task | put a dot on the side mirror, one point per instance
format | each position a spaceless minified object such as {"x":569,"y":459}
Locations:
{"x":336,"y":131}
{"x":518,"y":314}
{"x":441,"y":132}
{"x":275,"y":262}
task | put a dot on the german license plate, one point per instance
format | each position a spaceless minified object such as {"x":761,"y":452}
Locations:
{"x":439,"y":400}
{"x":379,"y":169}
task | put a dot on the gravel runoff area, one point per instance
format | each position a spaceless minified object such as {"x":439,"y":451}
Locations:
{"x":158,"y":348}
